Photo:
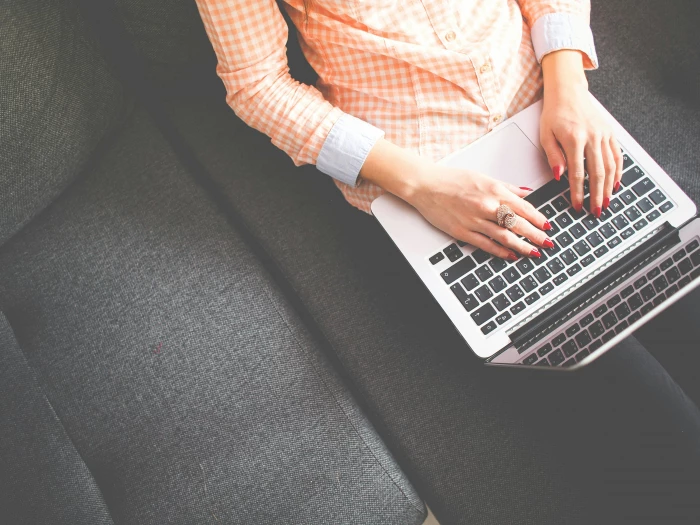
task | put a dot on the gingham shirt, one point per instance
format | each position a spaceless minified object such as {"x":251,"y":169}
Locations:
{"x":430,"y":75}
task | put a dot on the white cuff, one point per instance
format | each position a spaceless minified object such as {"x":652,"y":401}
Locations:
{"x":557,"y":31}
{"x":346,"y":147}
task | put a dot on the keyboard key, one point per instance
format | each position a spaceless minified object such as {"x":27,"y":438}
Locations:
{"x":501,"y":302}
{"x":470,"y":282}
{"x":660,"y":284}
{"x":570,"y":362}
{"x":497,"y":284}
{"x":578,"y":214}
{"x":612,"y":243}
{"x":480,"y":256}
{"x":614,"y":301}
{"x":484,"y":273}
{"x":659,"y":299}
{"x":497,"y":264}
{"x":648,"y":293}
{"x":450,"y":249}
{"x":542,"y":274}
{"x":620,"y":222}
{"x":547,"y":192}
{"x":609,"y":320}
{"x":627,"y":233}
{"x":640,"y":224}
{"x":558,"y":340}
{"x":572,"y":330}
{"x":542,"y":362}
{"x":455,"y":255}
{"x":511,"y":275}
{"x":626,"y":161}
{"x":666,"y":264}
{"x":484,"y":293}
{"x":483,"y":314}
{"x":608,"y":336}
{"x":583,"y":339}
{"x":568,"y":256}
{"x":645,"y":205}
{"x":596,"y":329}
{"x":533,"y":297}
{"x":517,"y":308}
{"x":564,"y":239}
{"x":631,"y":176}
{"x":600,"y":310}
{"x":559,"y":279}
{"x":657,"y":196}
{"x":577,"y":231}
{"x":632,"y":213}
{"x":640,"y":282}
{"x":468,"y":301}
{"x":601,"y":251}
{"x":515,"y":293}
{"x":548,"y":211}
{"x":504,"y":317}
{"x":461,"y":244}
{"x":555,"y":266}
{"x":545,"y":350}
{"x":528,"y":284}
{"x":684,"y":281}
{"x":436,"y":258}
{"x":594,"y":239}
{"x":573,"y":270}
{"x":590,"y":222}
{"x":554,"y":229}
{"x":666,"y":206}
{"x":564,"y":220}
{"x":636,"y":316}
{"x":544,"y":290}
{"x":647,"y":308}
{"x":653,"y":273}
{"x":695,"y":257}
{"x":679,"y":255}
{"x":619,"y":328}
{"x":582,"y":248}
{"x":530,"y":360}
{"x":692,"y":246}
{"x":643,"y":187}
{"x":525,"y":265}
{"x":627,"y":292}
{"x":560,"y":203}
{"x":588,"y":259}
{"x":685,"y":266}
{"x":653,"y":215}
{"x":487,"y":329}
{"x":616,"y":206}
{"x":628,"y":197}
{"x":607,"y":230}
{"x":673,"y":275}
{"x":605,"y":215}
{"x":456,"y":271}
{"x":556,"y":358}
{"x":587,"y":320}
{"x":569,"y":348}
{"x":635,"y":301}
{"x":541,"y":260}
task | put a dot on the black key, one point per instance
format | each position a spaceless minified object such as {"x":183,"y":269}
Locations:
{"x":653,"y":273}
{"x":556,"y":358}
{"x":657,"y":196}
{"x":643,"y":187}
{"x":627,"y":233}
{"x":528,"y":284}
{"x":497,"y":264}
{"x":484,"y":273}
{"x":517,"y":308}
{"x":619,"y":328}
{"x":455,"y":255}
{"x":626,"y":161}
{"x":515,"y":293}
{"x":461,"y":244}
{"x":666,"y":206}
{"x":608,"y":335}
{"x":632,"y":213}
{"x":590,"y":222}
{"x":555,"y":266}
{"x":620,"y":222}
{"x":568,"y":256}
{"x":558,"y":340}
{"x":605,"y":215}
{"x":647,"y":308}
{"x":554,"y":229}
{"x":628,"y":197}
{"x":541,"y":259}
{"x":552,"y":251}
{"x":570,"y":362}
{"x":673,"y":275}
{"x":572,"y":330}
{"x":511,"y":275}
{"x":480,"y":256}
{"x":483,"y":314}
{"x":653,"y":215}
{"x":501,"y":302}
{"x":497,"y":284}
{"x":631,"y":176}
{"x":564,"y":239}
{"x":595,"y":345}
{"x":547,"y":192}
{"x":640,"y":282}
{"x":587,"y":320}
{"x":573,"y":270}
{"x":450,"y":249}
{"x":583,"y":339}
{"x":679,"y":255}
{"x":594,"y":239}
{"x":616,"y":205}
{"x":468,"y":301}
{"x":564,"y":220}
{"x":695,"y":273}
{"x":569,"y":348}
{"x":597,"y":329}
{"x":635,"y":301}
{"x":666,"y":264}
{"x":607,"y":230}
{"x":614,"y":301}
{"x":559,"y":279}
{"x":627,"y":292}
{"x":487,"y":329}
{"x":546,"y":289}
{"x":659,"y":299}
{"x":684,"y":281}
{"x":548,"y":211}
{"x":582,"y":248}
{"x":648,"y":293}
{"x":577,"y":231}
{"x":484,"y":293}
{"x":600,"y":310}
{"x":601,"y":251}
{"x":530,"y":360}
{"x":577,"y":214}
{"x":560,"y":204}
{"x":695,"y":257}
{"x":542,"y":274}
{"x":660,"y":284}
{"x":525,"y":265}
{"x":612,"y":243}
{"x":470,"y":282}
{"x":436,"y":258}
{"x":503,"y":318}
{"x":544,"y":350}
{"x":636,"y":316}
{"x":692,"y":246}
{"x":609,"y":320}
{"x":685,"y":266}
{"x":640,"y":224}
{"x":542,"y":362}
{"x":456,"y":271}
{"x":532,"y":298}
{"x":645,"y":205}
{"x":588,"y":259}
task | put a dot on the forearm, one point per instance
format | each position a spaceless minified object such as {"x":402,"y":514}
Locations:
{"x":563,"y":72}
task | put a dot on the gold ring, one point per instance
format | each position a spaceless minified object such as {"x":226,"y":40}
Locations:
{"x":505,"y":217}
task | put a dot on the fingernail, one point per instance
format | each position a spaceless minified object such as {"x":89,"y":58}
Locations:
{"x":535,"y":253}
{"x":557,"y":170}
{"x":548,"y":243}
{"x":547,"y":226}
{"x":512,"y":257}
{"x":597,"y":212}
{"x":578,"y":207}
{"x":526,"y":188}
{"x":617,"y":186}
{"x":606,"y":203}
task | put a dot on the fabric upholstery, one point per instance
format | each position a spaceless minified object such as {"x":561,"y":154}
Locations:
{"x":58,"y":100}
{"x":188,"y":386}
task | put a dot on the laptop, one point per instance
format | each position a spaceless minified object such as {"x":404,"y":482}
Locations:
{"x":603,"y":279}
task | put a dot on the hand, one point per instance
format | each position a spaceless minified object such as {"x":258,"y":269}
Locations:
{"x":573,"y":127}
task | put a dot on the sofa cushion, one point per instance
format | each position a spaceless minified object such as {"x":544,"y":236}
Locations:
{"x":191,"y":390}
{"x":58,"y":99}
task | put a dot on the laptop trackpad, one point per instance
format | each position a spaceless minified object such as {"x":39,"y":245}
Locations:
{"x":507,"y":155}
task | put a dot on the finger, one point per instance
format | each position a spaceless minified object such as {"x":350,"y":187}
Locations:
{"x":574,"y":160}
{"x":552,"y":149}
{"x":531,"y":233}
{"x":619,"y":162}
{"x":520,"y":191}
{"x":507,"y":238}
{"x":596,"y":175}
{"x":481,"y":241}
{"x":610,"y":171}
{"x":528,"y":212}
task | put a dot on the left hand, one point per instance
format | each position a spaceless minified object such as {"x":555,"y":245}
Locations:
{"x":573,"y":127}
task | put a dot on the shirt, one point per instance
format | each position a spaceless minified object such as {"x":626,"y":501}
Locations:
{"x":429,"y":75}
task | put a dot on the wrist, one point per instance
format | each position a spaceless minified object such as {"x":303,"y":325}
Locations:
{"x":563,"y":72}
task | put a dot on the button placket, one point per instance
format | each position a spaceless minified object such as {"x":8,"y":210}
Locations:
{"x":487,"y":82}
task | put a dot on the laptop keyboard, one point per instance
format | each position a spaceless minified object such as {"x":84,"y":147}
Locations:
{"x":493,"y":290}
{"x":601,"y":323}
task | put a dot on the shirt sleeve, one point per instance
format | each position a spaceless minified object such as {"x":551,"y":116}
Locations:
{"x":560,"y":24}
{"x":249,"y":38}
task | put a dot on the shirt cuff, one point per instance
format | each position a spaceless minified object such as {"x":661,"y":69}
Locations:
{"x":557,"y":31}
{"x":346,"y":147}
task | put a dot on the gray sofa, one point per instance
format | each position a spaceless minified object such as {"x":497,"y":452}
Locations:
{"x":193,"y":330}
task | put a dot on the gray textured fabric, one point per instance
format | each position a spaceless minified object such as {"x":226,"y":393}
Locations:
{"x":188,"y":386}
{"x":37,"y":457}
{"x":57,"y":101}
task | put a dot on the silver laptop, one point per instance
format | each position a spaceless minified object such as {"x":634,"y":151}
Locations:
{"x":603,"y":279}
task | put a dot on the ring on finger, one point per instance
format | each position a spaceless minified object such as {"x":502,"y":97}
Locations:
{"x":505,"y":217}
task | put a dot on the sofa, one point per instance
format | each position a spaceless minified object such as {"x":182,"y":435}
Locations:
{"x":194,"y":330}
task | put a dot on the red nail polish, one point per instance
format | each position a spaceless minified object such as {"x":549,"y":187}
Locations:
{"x":535,"y":253}
{"x":548,"y":243}
{"x":617,"y":186}
{"x":597,"y":212}
{"x":547,"y":226}
{"x":512,"y":257}
{"x":557,"y":170}
{"x":526,"y":188}
{"x":606,"y":203}
{"x":578,"y":207}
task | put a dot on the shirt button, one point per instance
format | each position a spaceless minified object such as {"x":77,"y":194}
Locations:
{"x":450,"y":36}
{"x":485,"y":68}
{"x":497,"y":118}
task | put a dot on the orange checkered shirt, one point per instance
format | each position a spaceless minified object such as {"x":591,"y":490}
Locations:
{"x":429,"y":75}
